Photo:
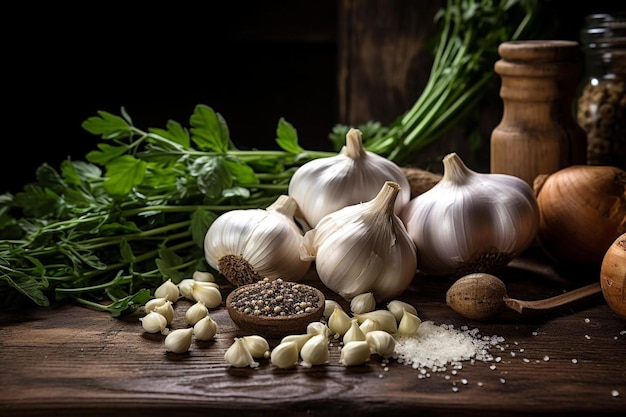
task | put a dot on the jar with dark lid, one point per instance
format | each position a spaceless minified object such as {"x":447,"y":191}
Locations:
{"x":601,"y":104}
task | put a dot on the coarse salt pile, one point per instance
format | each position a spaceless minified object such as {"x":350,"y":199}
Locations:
{"x":434,"y":347}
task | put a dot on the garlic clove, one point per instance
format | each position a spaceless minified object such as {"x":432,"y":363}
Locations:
{"x":369,"y":325}
{"x":355,"y":353}
{"x":167,"y":310}
{"x":258,"y":346}
{"x":238,"y":355}
{"x":385,"y":319}
{"x":205,"y":329}
{"x":381,"y":342}
{"x":317,"y":327}
{"x":397,"y":307}
{"x":315,"y":351}
{"x":203,"y":276}
{"x":363,"y":303}
{"x":196,"y":312}
{"x":298,"y":339}
{"x":409,"y":324}
{"x":329,"y":307}
{"x":167,"y":290}
{"x":153,"y":322}
{"x":185,"y":286}
{"x":207,"y":292}
{"x":339,"y":322}
{"x":285,"y":355}
{"x":179,"y":340}
{"x":153,"y":303}
{"x":353,"y":333}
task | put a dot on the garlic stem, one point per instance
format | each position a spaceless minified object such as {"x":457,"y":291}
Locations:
{"x":455,"y":170}
{"x":354,"y":145}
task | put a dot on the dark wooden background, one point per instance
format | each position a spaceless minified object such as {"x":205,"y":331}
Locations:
{"x":314,"y":62}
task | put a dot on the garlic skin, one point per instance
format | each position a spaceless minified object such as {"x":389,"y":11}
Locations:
{"x":363,"y":248}
{"x":354,"y":175}
{"x":179,"y":340}
{"x":153,"y":322}
{"x":363,"y":303}
{"x":315,"y":351}
{"x":285,"y":355}
{"x":205,"y":329}
{"x":355,"y":353}
{"x":238,"y":355}
{"x":471,"y":222}
{"x":248,"y":245}
{"x":167,"y":290}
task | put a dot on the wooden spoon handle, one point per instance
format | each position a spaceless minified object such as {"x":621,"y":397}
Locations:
{"x":555,"y":302}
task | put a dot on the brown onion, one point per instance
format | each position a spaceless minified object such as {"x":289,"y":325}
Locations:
{"x":613,"y":276}
{"x":582,"y":211}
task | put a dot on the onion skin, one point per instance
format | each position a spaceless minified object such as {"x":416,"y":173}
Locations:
{"x":582,"y":211}
{"x":613,"y":276}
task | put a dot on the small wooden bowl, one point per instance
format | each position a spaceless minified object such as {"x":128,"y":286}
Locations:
{"x":274,"y":326}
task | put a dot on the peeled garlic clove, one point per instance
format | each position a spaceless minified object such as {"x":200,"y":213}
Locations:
{"x":153,"y":322}
{"x":315,"y":351}
{"x":355,"y":353}
{"x":397,"y":307}
{"x":285,"y":355}
{"x":257,"y":345}
{"x":409,"y":324}
{"x":298,"y":339}
{"x":203,"y":276}
{"x":385,"y":319}
{"x":317,"y":327}
{"x":339,"y":322}
{"x":207,"y":292}
{"x":381,"y":342}
{"x":248,"y":245}
{"x":196,"y":312}
{"x":353,"y":333}
{"x":205,"y":329}
{"x":167,"y":290}
{"x":185,"y":286}
{"x":354,"y":175}
{"x":238,"y":355}
{"x":369,"y":325}
{"x":179,"y":340}
{"x":384,"y":263}
{"x":166,"y":310}
{"x":155,"y":302}
{"x":363,"y":303}
{"x":329,"y":307}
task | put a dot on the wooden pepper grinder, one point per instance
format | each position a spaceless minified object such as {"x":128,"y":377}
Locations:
{"x":538,"y":133}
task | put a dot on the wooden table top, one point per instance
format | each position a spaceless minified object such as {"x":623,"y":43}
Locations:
{"x":72,"y":361}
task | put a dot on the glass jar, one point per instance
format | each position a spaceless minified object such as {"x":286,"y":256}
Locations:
{"x":601,"y":104}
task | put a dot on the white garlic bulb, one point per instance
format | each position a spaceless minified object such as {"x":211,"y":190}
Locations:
{"x":205,"y":329}
{"x":363,"y":303}
{"x":238,"y":355}
{"x":354,"y":175}
{"x":315,"y":351}
{"x":363,"y":248}
{"x":179,"y":340}
{"x":285,"y":355}
{"x":471,"y":222}
{"x":248,"y":245}
{"x":167,"y":290}
{"x":355,"y":353}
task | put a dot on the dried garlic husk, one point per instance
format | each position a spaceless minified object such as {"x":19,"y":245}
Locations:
{"x":196,"y":312}
{"x":258,"y":346}
{"x":354,"y":175}
{"x":205,"y":329}
{"x":363,"y":303}
{"x":298,"y":339}
{"x":238,"y":355}
{"x":339,"y":322}
{"x":381,"y":342}
{"x":355,"y":353}
{"x":385,"y":319}
{"x":153,"y":322}
{"x":179,"y":340}
{"x":166,"y":310}
{"x":353,"y":333}
{"x":249,"y":245}
{"x":315,"y":351}
{"x":285,"y":355}
{"x":471,"y":222}
{"x":167,"y":290}
{"x":408,"y":324}
{"x":329,"y":307}
{"x":398,"y":307}
{"x":207,"y":292}
{"x":363,"y":248}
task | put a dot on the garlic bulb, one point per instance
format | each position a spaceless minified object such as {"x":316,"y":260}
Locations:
{"x":179,"y":340}
{"x":363,"y":248}
{"x":354,"y":175}
{"x":248,"y":245}
{"x":471,"y":222}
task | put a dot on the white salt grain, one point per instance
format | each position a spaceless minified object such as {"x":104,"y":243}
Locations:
{"x":615,"y":393}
